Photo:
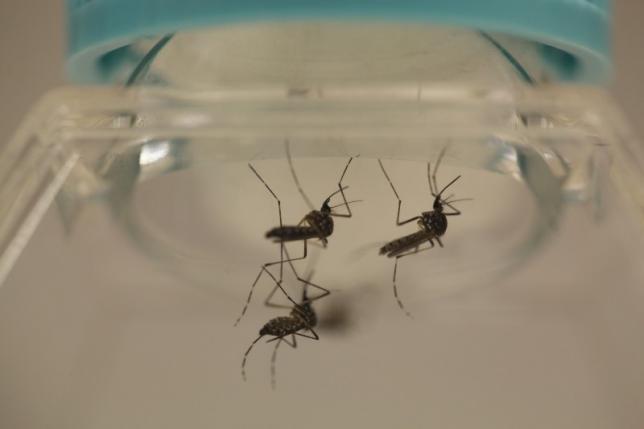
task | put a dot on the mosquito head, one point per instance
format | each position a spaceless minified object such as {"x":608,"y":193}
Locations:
{"x":326,"y":208}
{"x":438,"y":204}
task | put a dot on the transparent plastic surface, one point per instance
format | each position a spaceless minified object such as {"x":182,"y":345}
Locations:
{"x":315,"y":54}
{"x":132,"y":230}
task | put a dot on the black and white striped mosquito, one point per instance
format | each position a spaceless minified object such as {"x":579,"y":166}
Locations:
{"x":432,"y":224}
{"x":317,"y":224}
{"x":300,"y":322}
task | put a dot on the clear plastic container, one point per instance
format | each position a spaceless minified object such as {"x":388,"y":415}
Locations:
{"x":132,"y":229}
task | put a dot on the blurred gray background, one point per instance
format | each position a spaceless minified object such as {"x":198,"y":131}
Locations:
{"x":32,"y":43}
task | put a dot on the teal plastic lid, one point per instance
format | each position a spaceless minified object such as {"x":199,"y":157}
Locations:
{"x":574,"y":34}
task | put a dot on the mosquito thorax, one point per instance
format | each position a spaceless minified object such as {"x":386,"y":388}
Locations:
{"x":435,"y":221}
{"x":307,"y":313}
{"x":322,"y":220}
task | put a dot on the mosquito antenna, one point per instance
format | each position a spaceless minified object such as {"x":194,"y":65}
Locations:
{"x":343,"y":188}
{"x":448,"y":185}
{"x":438,"y":163}
{"x":452,"y":207}
{"x":348,"y":202}
{"x":429,"y":179}
{"x":243,"y":366}
{"x":448,"y":201}
{"x":308,"y":202}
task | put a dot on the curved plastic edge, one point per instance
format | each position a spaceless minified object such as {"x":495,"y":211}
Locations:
{"x":574,"y":35}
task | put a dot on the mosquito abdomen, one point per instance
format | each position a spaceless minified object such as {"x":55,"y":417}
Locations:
{"x":281,"y":326}
{"x":292,"y":233}
{"x":402,"y":244}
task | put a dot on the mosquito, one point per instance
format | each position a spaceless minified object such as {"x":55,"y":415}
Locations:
{"x":301,"y":320}
{"x":317,"y":224}
{"x":432,"y":224}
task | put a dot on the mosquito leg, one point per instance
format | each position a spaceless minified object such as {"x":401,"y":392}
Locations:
{"x":279,"y":209}
{"x":398,"y":221}
{"x":243,"y":365}
{"x":346,"y":203}
{"x":278,"y":284}
{"x":346,"y":167}
{"x":250,"y":295}
{"x":273,"y":361}
{"x":306,"y":282}
{"x":314,"y":337}
{"x":456,"y":211}
{"x":293,"y":342}
{"x":288,"y":259}
{"x":268,"y":303}
{"x":398,"y":300}
{"x":324,"y":291}
{"x":274,"y":358}
{"x":413,"y":252}
{"x":344,"y":198}
{"x":306,"y":199}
